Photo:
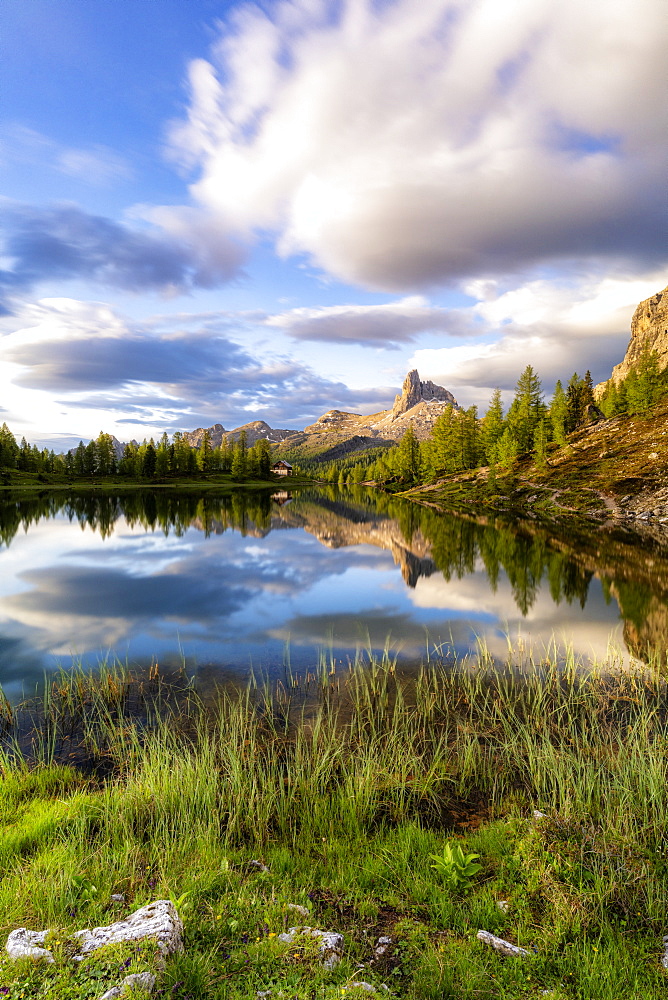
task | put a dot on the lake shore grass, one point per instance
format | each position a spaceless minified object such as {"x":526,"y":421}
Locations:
{"x":333,"y":793}
{"x":16,"y":483}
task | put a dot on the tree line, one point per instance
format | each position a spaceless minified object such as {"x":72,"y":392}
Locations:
{"x":148,"y":460}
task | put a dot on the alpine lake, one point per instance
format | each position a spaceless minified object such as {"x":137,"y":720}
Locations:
{"x":280,"y":584}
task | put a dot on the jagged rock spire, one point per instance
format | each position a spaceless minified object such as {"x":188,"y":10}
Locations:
{"x":414,"y":391}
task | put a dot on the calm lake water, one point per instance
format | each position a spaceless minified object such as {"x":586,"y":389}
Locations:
{"x":231,"y":582}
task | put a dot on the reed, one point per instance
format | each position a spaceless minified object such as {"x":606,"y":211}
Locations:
{"x":344,"y":782}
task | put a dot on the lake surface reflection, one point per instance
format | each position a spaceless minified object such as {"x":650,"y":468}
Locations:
{"x":229,"y":581}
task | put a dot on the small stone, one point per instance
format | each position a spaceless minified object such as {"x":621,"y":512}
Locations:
{"x":367,"y":987}
{"x":117,"y":897}
{"x":653,"y":455}
{"x":503,"y":905}
{"x":537,"y":814}
{"x":301,"y":911}
{"x":504,"y":947}
{"x":140,"y":980}
{"x":258,"y":865}
{"x":664,"y":960}
{"x":381,"y":946}
{"x":331,"y":943}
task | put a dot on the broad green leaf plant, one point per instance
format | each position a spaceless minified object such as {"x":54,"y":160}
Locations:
{"x":458,"y":869}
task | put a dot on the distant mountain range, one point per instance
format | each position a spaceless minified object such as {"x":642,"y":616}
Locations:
{"x":338,"y":433}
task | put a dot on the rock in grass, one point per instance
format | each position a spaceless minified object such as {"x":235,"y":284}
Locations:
{"x":138,"y":980}
{"x":504,"y":947}
{"x":301,"y":911}
{"x":23,"y":943}
{"x":331,"y":943}
{"x":381,"y":946}
{"x":367,"y":987}
{"x":158,"y":921}
{"x":664,"y":960}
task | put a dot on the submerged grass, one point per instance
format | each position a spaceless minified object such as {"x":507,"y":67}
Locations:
{"x":343,"y":785}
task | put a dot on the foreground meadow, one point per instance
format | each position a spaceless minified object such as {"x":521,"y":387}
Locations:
{"x":328,"y":801}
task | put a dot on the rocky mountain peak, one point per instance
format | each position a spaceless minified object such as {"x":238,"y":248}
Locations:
{"x":414,"y":391}
{"x":649,"y":331}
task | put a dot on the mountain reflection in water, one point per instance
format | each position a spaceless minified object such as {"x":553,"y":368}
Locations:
{"x":229,"y":579}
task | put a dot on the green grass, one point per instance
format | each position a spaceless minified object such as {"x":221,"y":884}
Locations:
{"x":343,"y":787}
{"x":17,"y":482}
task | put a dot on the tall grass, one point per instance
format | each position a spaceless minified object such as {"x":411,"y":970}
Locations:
{"x":345,"y":781}
{"x":372,"y":745}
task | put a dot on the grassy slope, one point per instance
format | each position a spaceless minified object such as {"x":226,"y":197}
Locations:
{"x":603,"y":470}
{"x":345,"y":809}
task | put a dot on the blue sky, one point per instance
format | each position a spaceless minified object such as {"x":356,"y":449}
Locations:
{"x":236,"y":211}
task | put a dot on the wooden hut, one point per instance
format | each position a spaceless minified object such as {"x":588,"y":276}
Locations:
{"x":281,"y":468}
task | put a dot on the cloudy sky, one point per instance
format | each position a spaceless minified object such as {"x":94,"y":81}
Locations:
{"x":230,"y":211}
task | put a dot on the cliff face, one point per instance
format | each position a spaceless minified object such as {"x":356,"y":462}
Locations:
{"x":413,"y":392}
{"x":649,"y":330}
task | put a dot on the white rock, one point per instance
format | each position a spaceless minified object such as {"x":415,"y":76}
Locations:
{"x":367,"y":987}
{"x":381,"y":946}
{"x":158,"y":920}
{"x":503,"y":905}
{"x":505,"y":947}
{"x":144,"y":980}
{"x":117,"y":897}
{"x":537,"y":814}
{"x":331,"y":943}
{"x":23,"y":943}
{"x":301,"y":911}
{"x":664,"y":960}
{"x":258,"y":865}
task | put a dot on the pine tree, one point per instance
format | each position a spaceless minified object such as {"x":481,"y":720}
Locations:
{"x":492,"y":426}
{"x":559,"y":413}
{"x":106,"y":457}
{"x":540,"y":444}
{"x":507,"y":449}
{"x":526,"y":409}
{"x":575,"y":402}
{"x":408,"y":456}
{"x":239,"y":462}
{"x":204,"y":452}
{"x":9,"y":449}
{"x":149,"y":460}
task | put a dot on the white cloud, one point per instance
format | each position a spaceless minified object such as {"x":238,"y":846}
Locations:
{"x":378,"y":325}
{"x":405,"y":145}
{"x":556,"y":326}
{"x":96,"y":165}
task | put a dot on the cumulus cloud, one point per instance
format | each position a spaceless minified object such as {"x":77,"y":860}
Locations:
{"x":385,"y":325}
{"x":64,"y":242}
{"x":557,"y":326}
{"x":404,"y":145}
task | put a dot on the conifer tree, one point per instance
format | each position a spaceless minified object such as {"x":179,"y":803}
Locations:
{"x":526,"y":409}
{"x":9,"y":449}
{"x":408,"y":456}
{"x":559,"y":413}
{"x":492,"y":426}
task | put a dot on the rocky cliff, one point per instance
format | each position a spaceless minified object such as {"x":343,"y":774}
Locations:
{"x":337,"y":432}
{"x":649,"y":330}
